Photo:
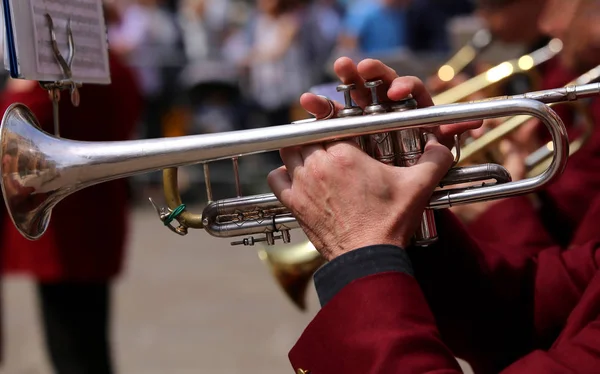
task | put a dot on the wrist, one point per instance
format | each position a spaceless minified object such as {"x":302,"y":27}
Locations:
{"x":348,"y":246}
{"x":357,"y":264}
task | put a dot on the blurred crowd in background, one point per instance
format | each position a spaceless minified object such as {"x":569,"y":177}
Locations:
{"x":216,"y":65}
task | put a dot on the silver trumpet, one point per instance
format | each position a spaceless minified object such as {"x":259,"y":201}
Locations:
{"x":39,"y":170}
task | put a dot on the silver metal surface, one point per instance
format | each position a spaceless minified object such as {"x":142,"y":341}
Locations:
{"x":476,"y":173}
{"x":349,"y":108}
{"x":39,"y":170}
{"x":379,"y":146}
{"x":409,"y":148}
{"x":556,"y":95}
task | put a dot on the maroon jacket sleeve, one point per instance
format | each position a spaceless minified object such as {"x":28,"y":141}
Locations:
{"x":477,"y":304}
{"x":369,"y":327}
{"x":514,"y":222}
{"x":590,"y":226}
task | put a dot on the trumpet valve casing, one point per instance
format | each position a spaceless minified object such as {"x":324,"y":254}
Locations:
{"x":410,"y":145}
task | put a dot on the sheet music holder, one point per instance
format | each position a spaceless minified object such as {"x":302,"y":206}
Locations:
{"x":28,"y":48}
{"x":33,"y":48}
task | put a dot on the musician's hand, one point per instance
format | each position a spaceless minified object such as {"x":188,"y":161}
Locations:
{"x":345,"y":200}
{"x":394,"y":88}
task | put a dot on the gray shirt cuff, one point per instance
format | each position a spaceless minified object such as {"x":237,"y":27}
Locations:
{"x":360,"y":263}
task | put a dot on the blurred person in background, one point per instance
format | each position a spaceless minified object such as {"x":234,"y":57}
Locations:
{"x":205,"y":25}
{"x":552,"y":214}
{"x":76,"y":262}
{"x":375,"y":27}
{"x":195,"y":31}
{"x":427,"y":23}
{"x":149,"y":39}
{"x":278,"y":65}
{"x":321,"y":27}
{"x":509,"y":22}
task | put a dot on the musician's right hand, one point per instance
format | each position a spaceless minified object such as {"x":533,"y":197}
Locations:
{"x":344,"y":199}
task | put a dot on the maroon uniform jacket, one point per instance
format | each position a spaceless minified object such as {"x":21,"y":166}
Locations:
{"x":87,"y":233}
{"x":501,"y":313}
{"x":515,"y":222}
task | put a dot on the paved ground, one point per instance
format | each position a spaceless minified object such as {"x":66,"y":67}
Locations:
{"x":185,"y":305}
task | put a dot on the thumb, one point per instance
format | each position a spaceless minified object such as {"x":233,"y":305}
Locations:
{"x":434,"y":163}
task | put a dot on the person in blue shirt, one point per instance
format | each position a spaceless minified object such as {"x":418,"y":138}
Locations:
{"x":375,"y":27}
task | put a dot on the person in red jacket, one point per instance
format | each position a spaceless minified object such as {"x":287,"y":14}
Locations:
{"x":551,"y":215}
{"x":75,"y":262}
{"x":390,"y":308}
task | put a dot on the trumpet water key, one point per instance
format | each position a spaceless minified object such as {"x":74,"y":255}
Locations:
{"x":39,"y":170}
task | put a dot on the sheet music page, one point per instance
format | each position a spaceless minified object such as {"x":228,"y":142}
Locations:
{"x":90,"y":64}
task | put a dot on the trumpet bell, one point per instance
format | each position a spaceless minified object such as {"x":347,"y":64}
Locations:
{"x":293,"y":267}
{"x":27,"y":171}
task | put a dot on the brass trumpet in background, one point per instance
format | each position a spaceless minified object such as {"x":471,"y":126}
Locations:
{"x":499,"y":73}
{"x":481,"y":40}
{"x":487,"y":144}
